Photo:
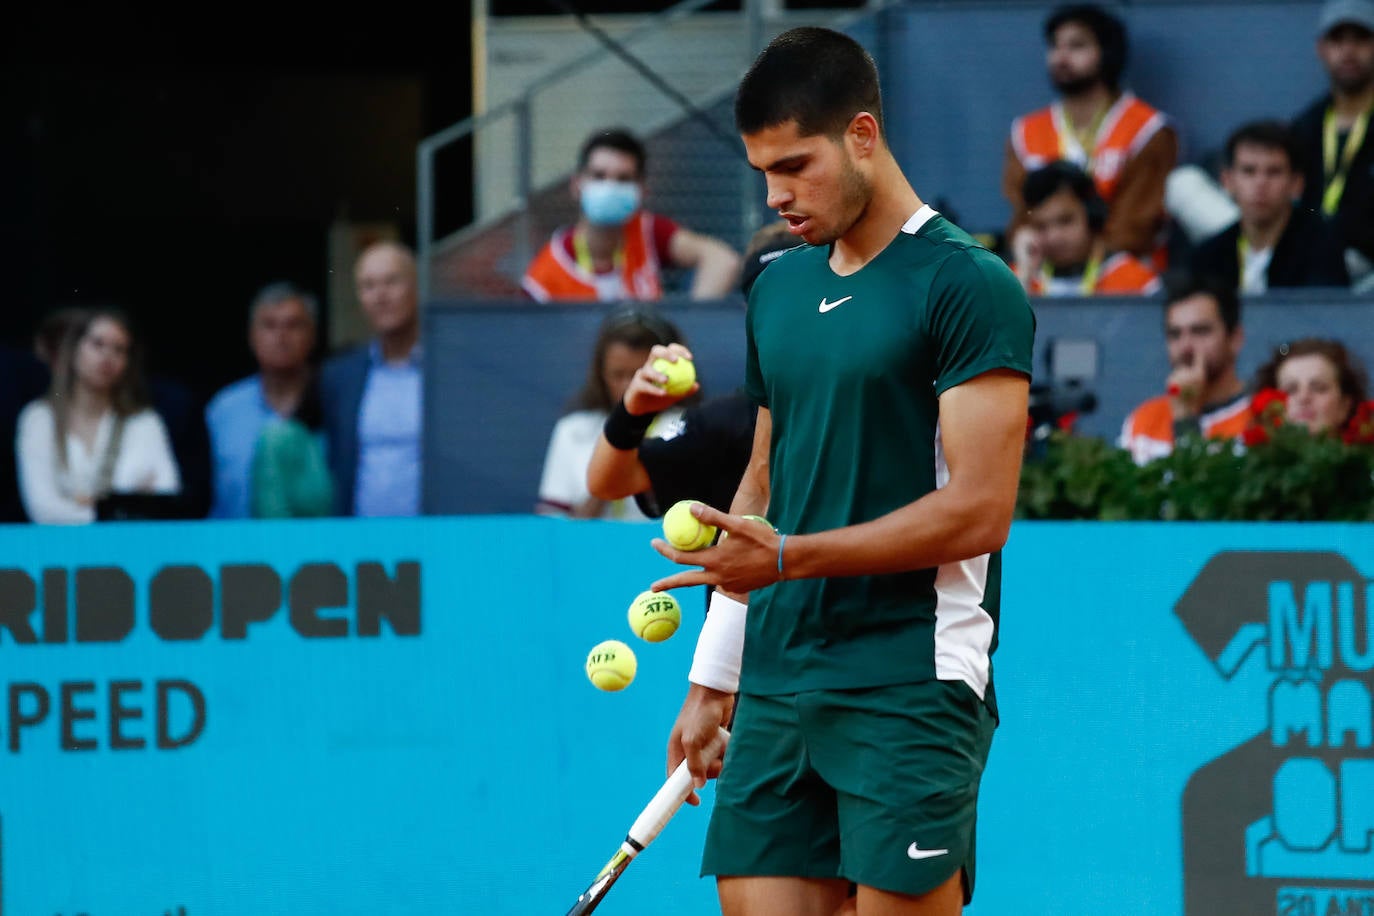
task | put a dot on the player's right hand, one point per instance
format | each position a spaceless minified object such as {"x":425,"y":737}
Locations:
{"x":645,"y":393}
{"x":698,"y":735}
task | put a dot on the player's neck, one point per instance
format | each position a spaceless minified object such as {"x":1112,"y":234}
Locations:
{"x":893,"y":203}
{"x":1348,"y":106}
{"x":1084,"y":108}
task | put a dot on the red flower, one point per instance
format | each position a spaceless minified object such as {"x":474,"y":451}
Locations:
{"x":1269,"y":405}
{"x":1254,"y":435}
{"x":1361,"y":426}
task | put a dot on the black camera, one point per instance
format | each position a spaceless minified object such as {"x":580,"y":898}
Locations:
{"x":1071,"y":367}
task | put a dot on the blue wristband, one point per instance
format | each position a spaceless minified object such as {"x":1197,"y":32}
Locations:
{"x":781,"y":540}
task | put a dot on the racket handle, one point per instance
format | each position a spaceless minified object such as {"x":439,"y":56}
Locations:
{"x":663,"y":805}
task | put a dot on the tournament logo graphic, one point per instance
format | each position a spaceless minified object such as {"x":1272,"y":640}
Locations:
{"x":1284,"y":824}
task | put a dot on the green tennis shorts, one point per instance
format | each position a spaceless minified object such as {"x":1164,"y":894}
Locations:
{"x":878,"y":786}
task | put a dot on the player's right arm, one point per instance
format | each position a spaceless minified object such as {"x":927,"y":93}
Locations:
{"x":709,"y":706}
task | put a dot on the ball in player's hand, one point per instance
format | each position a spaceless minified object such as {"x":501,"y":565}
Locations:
{"x":753,"y":518}
{"x":611,"y":665}
{"x":684,"y":530}
{"x":655,"y":616}
{"x":682,"y":375}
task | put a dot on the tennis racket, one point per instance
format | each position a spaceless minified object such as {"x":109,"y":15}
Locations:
{"x":646,"y":827}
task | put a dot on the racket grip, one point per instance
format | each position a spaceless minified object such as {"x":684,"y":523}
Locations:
{"x":664,"y":804}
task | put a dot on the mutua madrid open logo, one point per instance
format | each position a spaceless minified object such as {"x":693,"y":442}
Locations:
{"x":1284,"y":824}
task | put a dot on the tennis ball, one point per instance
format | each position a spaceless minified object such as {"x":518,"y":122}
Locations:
{"x":611,"y":665}
{"x":654,"y":616}
{"x":684,"y":530}
{"x":681,"y":374}
{"x":753,"y":518}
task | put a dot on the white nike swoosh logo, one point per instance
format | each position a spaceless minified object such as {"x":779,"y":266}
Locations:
{"x":915,"y":852}
{"x":827,"y":306}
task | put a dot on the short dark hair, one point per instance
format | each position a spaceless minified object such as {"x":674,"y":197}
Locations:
{"x":1047,"y":181}
{"x":1109,"y":31}
{"x":819,"y":78}
{"x":1268,"y":134}
{"x":1184,"y":285}
{"x":618,"y":139}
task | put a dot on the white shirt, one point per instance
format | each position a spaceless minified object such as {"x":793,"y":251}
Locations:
{"x":564,"y":482}
{"x":50,"y":491}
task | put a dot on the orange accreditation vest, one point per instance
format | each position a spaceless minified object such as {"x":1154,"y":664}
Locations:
{"x":1121,"y":274}
{"x":1043,"y":136}
{"x":1148,"y":432}
{"x":554,"y":275}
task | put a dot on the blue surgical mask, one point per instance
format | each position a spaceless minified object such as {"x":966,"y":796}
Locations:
{"x":609,"y":203}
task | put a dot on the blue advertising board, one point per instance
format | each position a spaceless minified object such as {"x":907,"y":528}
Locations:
{"x":391,"y":717}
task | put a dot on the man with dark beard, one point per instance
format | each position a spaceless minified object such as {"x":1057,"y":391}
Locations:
{"x":1203,"y":394}
{"x":1127,"y":146}
{"x":1333,"y":132}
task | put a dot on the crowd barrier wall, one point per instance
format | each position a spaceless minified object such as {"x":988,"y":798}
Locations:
{"x":499,"y":374}
{"x":390,"y":717}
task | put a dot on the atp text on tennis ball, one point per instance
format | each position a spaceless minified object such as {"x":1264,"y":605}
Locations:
{"x":752,"y":518}
{"x":655,"y":616}
{"x":684,"y":530}
{"x":611,"y":665}
{"x":681,"y":374}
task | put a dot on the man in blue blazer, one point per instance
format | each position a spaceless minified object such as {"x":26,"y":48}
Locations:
{"x":371,"y":395}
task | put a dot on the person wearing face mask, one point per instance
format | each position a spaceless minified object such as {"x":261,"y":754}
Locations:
{"x":616,"y":250}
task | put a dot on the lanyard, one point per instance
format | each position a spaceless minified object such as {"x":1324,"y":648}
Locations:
{"x":1085,"y":140}
{"x":1085,"y":285}
{"x":1335,"y":172}
{"x":584,"y":255}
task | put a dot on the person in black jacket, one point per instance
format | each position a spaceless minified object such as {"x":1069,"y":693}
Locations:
{"x":1333,"y":132}
{"x":1274,"y":243}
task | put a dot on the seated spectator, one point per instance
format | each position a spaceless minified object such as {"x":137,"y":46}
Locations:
{"x":1126,"y":145}
{"x":622,"y":346}
{"x":616,"y":249}
{"x":371,"y":395}
{"x":1065,"y":252}
{"x":22,"y":378}
{"x":281,"y":334}
{"x":1333,"y":132}
{"x":93,"y":433}
{"x":1322,"y":382}
{"x":1204,"y":395}
{"x":1274,"y":244}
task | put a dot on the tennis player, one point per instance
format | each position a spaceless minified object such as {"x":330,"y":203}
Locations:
{"x":890,"y":364}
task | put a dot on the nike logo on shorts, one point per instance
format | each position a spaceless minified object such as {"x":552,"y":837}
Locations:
{"x":915,"y":852}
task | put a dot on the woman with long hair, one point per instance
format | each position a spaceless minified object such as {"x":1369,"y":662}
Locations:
{"x":93,"y":433}
{"x":1323,"y":383}
{"x":622,"y":345}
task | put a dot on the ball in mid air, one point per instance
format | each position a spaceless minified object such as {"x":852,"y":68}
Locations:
{"x":684,"y":530}
{"x":611,"y":665}
{"x":682,"y":375}
{"x":655,"y":616}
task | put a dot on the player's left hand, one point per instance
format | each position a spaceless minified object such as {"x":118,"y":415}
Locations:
{"x":746,"y":560}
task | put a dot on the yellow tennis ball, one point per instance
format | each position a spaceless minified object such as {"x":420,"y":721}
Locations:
{"x":611,"y":665}
{"x":681,"y":374}
{"x":752,"y":518}
{"x":655,"y":616}
{"x":684,"y":530}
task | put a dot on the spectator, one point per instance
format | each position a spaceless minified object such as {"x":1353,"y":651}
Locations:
{"x":1127,"y":146}
{"x":701,"y":455}
{"x":93,"y":433}
{"x":1065,"y":252}
{"x":371,"y":395}
{"x":1323,"y":382}
{"x":615,"y":249}
{"x":281,"y":334}
{"x":622,"y":345}
{"x":1333,"y":133}
{"x":1204,"y":396}
{"x":1273,"y":244}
